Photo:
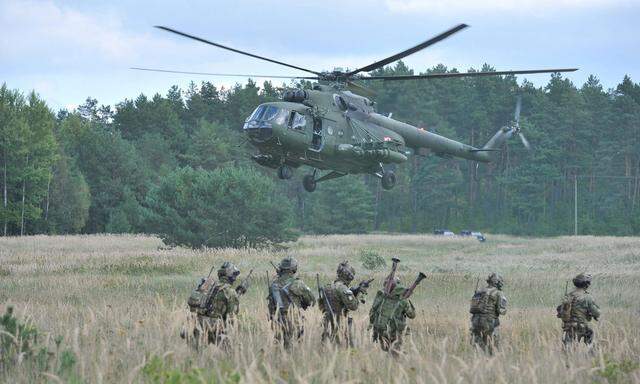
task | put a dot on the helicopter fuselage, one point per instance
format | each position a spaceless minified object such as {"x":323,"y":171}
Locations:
{"x":339,"y":131}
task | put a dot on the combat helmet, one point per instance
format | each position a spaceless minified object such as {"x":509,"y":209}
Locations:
{"x":495,"y":280}
{"x":583,"y":280}
{"x":345,"y":272}
{"x":288,"y":264}
{"x":228,"y":271}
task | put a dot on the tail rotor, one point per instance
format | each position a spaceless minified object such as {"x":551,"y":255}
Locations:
{"x":515,"y":127}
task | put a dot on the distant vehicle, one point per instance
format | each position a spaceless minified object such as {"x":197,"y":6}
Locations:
{"x":463,"y":233}
{"x":479,"y":236}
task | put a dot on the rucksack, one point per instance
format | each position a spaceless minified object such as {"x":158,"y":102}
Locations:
{"x":199,"y":297}
{"x":564,"y":309}
{"x":386,"y":313}
{"x":480,"y":302}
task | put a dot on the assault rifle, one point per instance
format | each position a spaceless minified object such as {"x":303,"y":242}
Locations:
{"x":241,"y":289}
{"x":389,"y":282}
{"x":202,"y":280}
{"x":361,"y":288}
{"x":322,"y":296}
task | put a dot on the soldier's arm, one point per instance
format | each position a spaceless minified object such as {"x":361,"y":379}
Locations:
{"x":233,"y":302}
{"x":374,"y":307}
{"x":594,"y":310}
{"x":502,"y":304}
{"x":300,"y":289}
{"x":409,"y":309}
{"x":347,"y":298}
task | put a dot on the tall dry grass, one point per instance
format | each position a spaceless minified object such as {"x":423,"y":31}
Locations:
{"x":119,"y":303}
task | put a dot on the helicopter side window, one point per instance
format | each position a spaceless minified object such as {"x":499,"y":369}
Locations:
{"x":297,"y":121}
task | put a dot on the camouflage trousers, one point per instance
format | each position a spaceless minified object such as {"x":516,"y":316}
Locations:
{"x":485,"y":331}
{"x":207,"y":328}
{"x":288,"y":327}
{"x":336,"y":331}
{"x":576,"y":332}
{"x":390,"y":339}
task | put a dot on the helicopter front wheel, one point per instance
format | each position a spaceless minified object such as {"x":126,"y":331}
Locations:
{"x":285,"y":172}
{"x":388,"y":180}
{"x":309,"y":183}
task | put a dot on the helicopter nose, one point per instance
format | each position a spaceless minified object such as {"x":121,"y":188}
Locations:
{"x":258,"y":131}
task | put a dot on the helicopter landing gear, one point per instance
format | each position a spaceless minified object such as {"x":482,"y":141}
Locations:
{"x":285,"y":172}
{"x":309,"y":183}
{"x":388,"y":180}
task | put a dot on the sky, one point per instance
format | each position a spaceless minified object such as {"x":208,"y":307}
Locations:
{"x":69,"y":50}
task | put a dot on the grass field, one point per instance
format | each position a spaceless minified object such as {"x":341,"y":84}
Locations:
{"x":119,"y":304}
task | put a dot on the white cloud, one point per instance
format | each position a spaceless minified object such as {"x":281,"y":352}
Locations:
{"x":60,"y":36}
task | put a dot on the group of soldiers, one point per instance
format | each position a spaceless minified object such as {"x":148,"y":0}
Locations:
{"x":215,"y":304}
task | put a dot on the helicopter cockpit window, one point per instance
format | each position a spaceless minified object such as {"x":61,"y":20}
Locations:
{"x":267,"y":113}
{"x":297,"y":121}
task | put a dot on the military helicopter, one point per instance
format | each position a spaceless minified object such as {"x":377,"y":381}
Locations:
{"x":334,"y":127}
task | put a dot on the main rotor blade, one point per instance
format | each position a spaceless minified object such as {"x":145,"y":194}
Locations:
{"x":516,"y":116}
{"x":421,"y":46}
{"x":224,"y":74}
{"x":466,"y":74}
{"x":233,"y":49}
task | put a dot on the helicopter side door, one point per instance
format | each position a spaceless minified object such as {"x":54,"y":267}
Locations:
{"x":317,"y":141}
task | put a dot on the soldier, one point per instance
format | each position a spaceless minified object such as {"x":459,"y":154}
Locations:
{"x":487,"y":305}
{"x":388,"y":317}
{"x":215,"y":304}
{"x":336,"y":301}
{"x":288,"y":295}
{"x":576,"y":311}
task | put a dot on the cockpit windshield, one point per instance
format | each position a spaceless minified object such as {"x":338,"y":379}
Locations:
{"x":269,"y":113}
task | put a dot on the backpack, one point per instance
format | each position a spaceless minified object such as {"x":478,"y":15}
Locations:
{"x":279,"y":297}
{"x":480,"y":302}
{"x":564,"y":309}
{"x":199,"y":297}
{"x":386,"y":316}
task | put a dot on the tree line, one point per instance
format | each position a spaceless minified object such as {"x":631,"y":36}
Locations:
{"x":178,"y":165}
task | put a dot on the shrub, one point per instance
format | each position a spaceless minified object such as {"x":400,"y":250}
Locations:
{"x":228,"y":207}
{"x":371,"y":260}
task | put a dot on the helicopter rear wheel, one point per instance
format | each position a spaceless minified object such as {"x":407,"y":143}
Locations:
{"x":285,"y":172}
{"x":309,"y":183}
{"x":388,"y":180}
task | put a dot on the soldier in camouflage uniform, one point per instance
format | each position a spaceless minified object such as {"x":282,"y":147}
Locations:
{"x":388,"y":317}
{"x":216,"y":306}
{"x":340,"y":300}
{"x":576,"y":311}
{"x":487,"y":305}
{"x":288,"y":296}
